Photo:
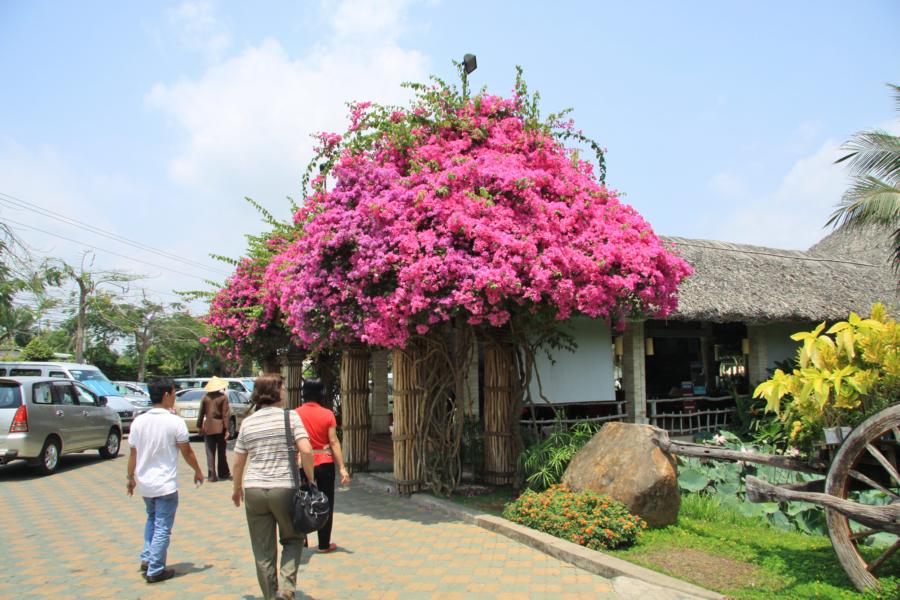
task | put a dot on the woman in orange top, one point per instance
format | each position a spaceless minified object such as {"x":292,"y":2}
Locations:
{"x":321,"y":427}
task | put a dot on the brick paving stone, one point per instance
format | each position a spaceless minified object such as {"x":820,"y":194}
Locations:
{"x":77,"y":535}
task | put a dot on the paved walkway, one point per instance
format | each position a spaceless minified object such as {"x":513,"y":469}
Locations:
{"x":76,"y":534}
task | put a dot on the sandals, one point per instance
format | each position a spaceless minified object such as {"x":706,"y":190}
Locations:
{"x":331,"y":548}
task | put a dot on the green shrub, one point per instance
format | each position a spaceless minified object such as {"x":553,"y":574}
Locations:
{"x":37,"y":350}
{"x":592,"y":520}
{"x":544,"y":463}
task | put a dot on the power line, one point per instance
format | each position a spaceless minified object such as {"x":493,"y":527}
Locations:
{"x":19,"y":203}
{"x":68,"y":239}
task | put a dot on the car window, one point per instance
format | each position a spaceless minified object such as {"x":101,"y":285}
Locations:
{"x":59,"y":374}
{"x":235,"y":385}
{"x":65,"y":394}
{"x":2,"y":371}
{"x":25,"y":372}
{"x":85,"y":397}
{"x":10,"y":395}
{"x":41,"y":394}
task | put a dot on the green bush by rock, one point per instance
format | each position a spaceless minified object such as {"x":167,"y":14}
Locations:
{"x":585,"y":518}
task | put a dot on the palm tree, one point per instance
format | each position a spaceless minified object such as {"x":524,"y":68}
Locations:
{"x":873,"y":158}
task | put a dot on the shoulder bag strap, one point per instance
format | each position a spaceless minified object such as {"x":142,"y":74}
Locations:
{"x":292,"y":448}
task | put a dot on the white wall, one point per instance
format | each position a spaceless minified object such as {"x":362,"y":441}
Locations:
{"x":585,"y":375}
{"x":779,"y":345}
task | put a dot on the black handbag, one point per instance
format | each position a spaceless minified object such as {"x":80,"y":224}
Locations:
{"x":309,"y":505}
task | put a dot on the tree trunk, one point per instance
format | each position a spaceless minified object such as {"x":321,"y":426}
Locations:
{"x":80,"y":322}
{"x":407,"y":420}
{"x":355,"y":407}
{"x":270,"y":364}
{"x":499,"y":420}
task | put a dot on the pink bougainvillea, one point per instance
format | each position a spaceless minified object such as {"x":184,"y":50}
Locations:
{"x":243,"y":316}
{"x":456,"y":207}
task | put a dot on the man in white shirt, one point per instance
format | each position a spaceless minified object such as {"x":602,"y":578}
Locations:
{"x":156,"y":438}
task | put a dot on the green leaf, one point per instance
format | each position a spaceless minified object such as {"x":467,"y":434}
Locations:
{"x":692,"y":480}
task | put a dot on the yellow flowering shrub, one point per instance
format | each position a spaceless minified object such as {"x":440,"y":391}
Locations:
{"x":844,"y":374}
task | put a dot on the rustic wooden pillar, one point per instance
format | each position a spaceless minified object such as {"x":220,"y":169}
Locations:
{"x":380,"y":414}
{"x":355,"y":407}
{"x":292,"y":374}
{"x":407,"y":420}
{"x":499,"y":420}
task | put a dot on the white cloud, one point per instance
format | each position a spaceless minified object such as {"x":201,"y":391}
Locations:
{"x":794,"y":213}
{"x":199,"y":27}
{"x":247,"y":120}
{"x":790,"y":216}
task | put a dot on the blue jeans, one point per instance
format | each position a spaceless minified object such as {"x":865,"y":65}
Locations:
{"x":158,"y":530}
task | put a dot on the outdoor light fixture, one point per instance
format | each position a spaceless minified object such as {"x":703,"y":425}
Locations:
{"x":745,"y":346}
{"x":469,"y":63}
{"x":648,"y":347}
{"x":619,"y":345}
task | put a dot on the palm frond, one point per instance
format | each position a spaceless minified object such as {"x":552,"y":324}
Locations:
{"x":875,"y":153}
{"x":869,"y":200}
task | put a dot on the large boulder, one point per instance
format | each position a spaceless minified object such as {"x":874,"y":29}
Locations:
{"x":622,"y":462}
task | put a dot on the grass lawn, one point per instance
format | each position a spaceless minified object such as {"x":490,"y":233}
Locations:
{"x":719,"y":549}
{"x":743,"y":558}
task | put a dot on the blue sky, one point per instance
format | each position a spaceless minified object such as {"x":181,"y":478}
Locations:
{"x":154,"y":120}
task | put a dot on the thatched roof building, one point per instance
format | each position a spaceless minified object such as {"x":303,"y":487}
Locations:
{"x":847,"y":270}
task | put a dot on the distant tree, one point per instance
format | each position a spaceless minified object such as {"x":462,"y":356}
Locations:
{"x":38,"y":350}
{"x":88,"y":282}
{"x":873,"y":158}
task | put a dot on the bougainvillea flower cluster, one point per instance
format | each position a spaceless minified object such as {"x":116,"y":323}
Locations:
{"x":457,"y":207}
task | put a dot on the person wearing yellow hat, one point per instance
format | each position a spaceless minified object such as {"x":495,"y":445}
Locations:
{"x":212,"y":423}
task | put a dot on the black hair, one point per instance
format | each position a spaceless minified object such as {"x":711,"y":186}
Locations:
{"x":313,"y":391}
{"x":159,"y":387}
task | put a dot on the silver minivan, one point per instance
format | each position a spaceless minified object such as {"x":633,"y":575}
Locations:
{"x":41,"y":419}
{"x":128,"y":406}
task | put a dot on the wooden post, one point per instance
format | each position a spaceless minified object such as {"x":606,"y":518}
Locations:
{"x":355,"y":407}
{"x":499,"y":420}
{"x":292,"y":372}
{"x":407,"y":420}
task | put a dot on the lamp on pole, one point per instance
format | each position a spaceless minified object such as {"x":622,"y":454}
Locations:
{"x":469,"y":64}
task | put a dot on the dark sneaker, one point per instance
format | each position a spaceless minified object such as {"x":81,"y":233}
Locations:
{"x":161,"y":576}
{"x":143,"y":567}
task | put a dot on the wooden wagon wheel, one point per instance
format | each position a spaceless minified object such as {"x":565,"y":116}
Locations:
{"x":869,"y":457}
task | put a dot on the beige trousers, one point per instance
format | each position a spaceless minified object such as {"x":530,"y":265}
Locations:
{"x":266,"y":509}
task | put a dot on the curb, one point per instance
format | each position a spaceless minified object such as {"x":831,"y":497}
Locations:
{"x":584,"y":558}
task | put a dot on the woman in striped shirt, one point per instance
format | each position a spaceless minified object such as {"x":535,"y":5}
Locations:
{"x":262,"y":479}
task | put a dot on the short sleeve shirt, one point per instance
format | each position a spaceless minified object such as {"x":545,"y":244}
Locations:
{"x":155,"y":436}
{"x":318,"y":420}
{"x":262,"y":439}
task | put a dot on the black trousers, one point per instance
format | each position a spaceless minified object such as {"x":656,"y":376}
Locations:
{"x":215,"y":445}
{"x":325,"y":482}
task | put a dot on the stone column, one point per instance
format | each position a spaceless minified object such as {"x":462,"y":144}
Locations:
{"x":634,"y":376}
{"x":380,"y":414}
{"x":758,"y":359}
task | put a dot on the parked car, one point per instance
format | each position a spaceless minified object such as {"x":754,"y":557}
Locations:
{"x":241,"y":384}
{"x":187,"y":406}
{"x":138,"y":388}
{"x":89,"y":375}
{"x":42,"y":418}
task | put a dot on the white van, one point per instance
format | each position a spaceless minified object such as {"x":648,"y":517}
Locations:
{"x":89,"y":375}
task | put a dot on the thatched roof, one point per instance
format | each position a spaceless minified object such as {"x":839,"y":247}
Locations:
{"x":847,"y":270}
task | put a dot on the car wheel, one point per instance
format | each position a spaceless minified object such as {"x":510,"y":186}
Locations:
{"x":232,"y":428}
{"x":49,"y":460}
{"x":113,"y":442}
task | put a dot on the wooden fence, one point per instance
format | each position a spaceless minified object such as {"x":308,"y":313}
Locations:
{"x":711,"y":414}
